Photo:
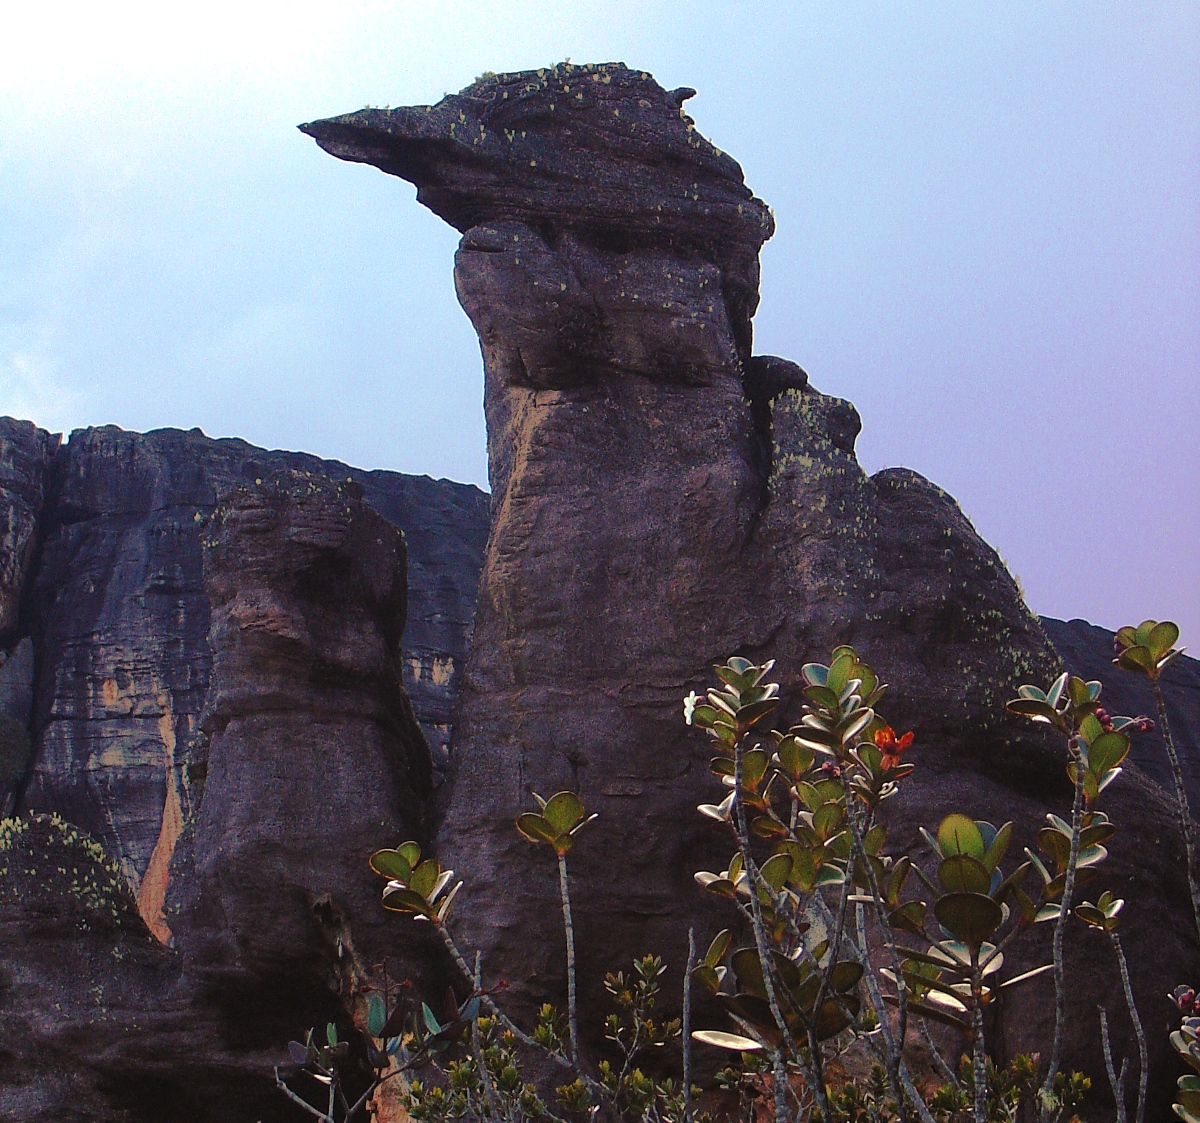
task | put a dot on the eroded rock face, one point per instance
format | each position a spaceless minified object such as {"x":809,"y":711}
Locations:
{"x":251,"y":914}
{"x":314,"y":755}
{"x":662,"y":500}
{"x":605,"y":154}
{"x":121,"y":617}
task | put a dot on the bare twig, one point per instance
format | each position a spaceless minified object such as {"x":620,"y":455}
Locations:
{"x":490,"y":1004}
{"x":978,"y":1049}
{"x":781,"y":1082}
{"x":872,"y":981}
{"x":1060,"y":993}
{"x":687,"y":1027}
{"x":569,"y":929}
{"x":485,"y":1077}
{"x":948,"y":1074}
{"x":1116,"y":1083}
{"x":1143,"y":1051}
{"x":279,"y":1083}
{"x":896,"y":1050}
{"x":1181,"y":801}
{"x":760,"y":936}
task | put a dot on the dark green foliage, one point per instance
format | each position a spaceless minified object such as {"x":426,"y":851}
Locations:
{"x":809,"y":864}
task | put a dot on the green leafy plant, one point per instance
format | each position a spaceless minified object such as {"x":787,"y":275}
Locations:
{"x":1186,"y":1042}
{"x":836,"y":945}
{"x":1148,"y":650}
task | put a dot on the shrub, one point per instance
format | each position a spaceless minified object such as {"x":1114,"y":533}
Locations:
{"x":841,"y":943}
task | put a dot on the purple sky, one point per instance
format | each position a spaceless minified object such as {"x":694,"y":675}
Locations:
{"x":988,"y":239}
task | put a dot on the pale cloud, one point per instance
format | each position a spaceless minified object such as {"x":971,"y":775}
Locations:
{"x":30,"y":391}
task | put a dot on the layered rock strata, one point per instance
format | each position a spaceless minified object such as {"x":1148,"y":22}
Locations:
{"x":219,"y":701}
{"x":118,"y":612}
{"x":662,"y":500}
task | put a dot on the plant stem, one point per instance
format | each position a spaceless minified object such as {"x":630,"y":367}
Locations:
{"x":687,"y":1027}
{"x":897,"y":967}
{"x":569,"y":929}
{"x":760,"y":935}
{"x":297,"y":1099}
{"x":493,"y":1009}
{"x":485,"y":1077}
{"x":939,"y":1061}
{"x":1117,"y":1085}
{"x":1064,"y":912}
{"x":780,"y":1071}
{"x":1143,"y":1051}
{"x":1181,"y":801}
{"x":978,"y":1048}
{"x":872,"y":980}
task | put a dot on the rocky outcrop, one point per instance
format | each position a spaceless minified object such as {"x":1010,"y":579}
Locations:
{"x":661,"y":500}
{"x":235,"y":733}
{"x":120,"y":617}
{"x":313,"y":756}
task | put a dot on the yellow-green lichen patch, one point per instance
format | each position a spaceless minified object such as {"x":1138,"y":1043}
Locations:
{"x":51,"y":866}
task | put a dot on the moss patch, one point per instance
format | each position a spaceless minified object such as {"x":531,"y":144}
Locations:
{"x":50,"y":866}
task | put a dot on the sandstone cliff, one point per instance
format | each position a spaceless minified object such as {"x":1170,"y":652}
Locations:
{"x":219,"y":700}
{"x":211,"y":648}
{"x":663,"y":499}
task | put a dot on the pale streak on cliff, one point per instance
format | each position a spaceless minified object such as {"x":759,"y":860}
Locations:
{"x":153,"y":890}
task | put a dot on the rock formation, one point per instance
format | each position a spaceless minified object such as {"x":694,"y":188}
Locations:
{"x":25,"y":456}
{"x":218,"y":701}
{"x":663,"y":499}
{"x":203,"y":642}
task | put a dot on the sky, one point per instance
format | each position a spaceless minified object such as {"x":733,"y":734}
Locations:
{"x":988,"y":239}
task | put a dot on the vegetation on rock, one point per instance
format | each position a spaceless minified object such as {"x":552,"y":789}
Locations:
{"x":836,"y":950}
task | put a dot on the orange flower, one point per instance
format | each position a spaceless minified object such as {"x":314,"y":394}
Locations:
{"x":891,"y":745}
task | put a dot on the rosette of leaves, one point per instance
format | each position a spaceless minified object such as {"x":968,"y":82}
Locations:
{"x":1100,"y":755}
{"x":1186,"y":1042}
{"x":798,"y":985}
{"x":1054,"y":841}
{"x":1148,"y":648}
{"x":776,"y":900}
{"x":415,"y":887}
{"x":319,"y":1059}
{"x":970,"y":908}
{"x":562,"y":818}
{"x":891,"y":877}
{"x":798,"y":981}
{"x":839,"y":704}
{"x":1105,"y":914}
{"x":1067,"y":705}
{"x":729,"y":714}
{"x":971,"y":886}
